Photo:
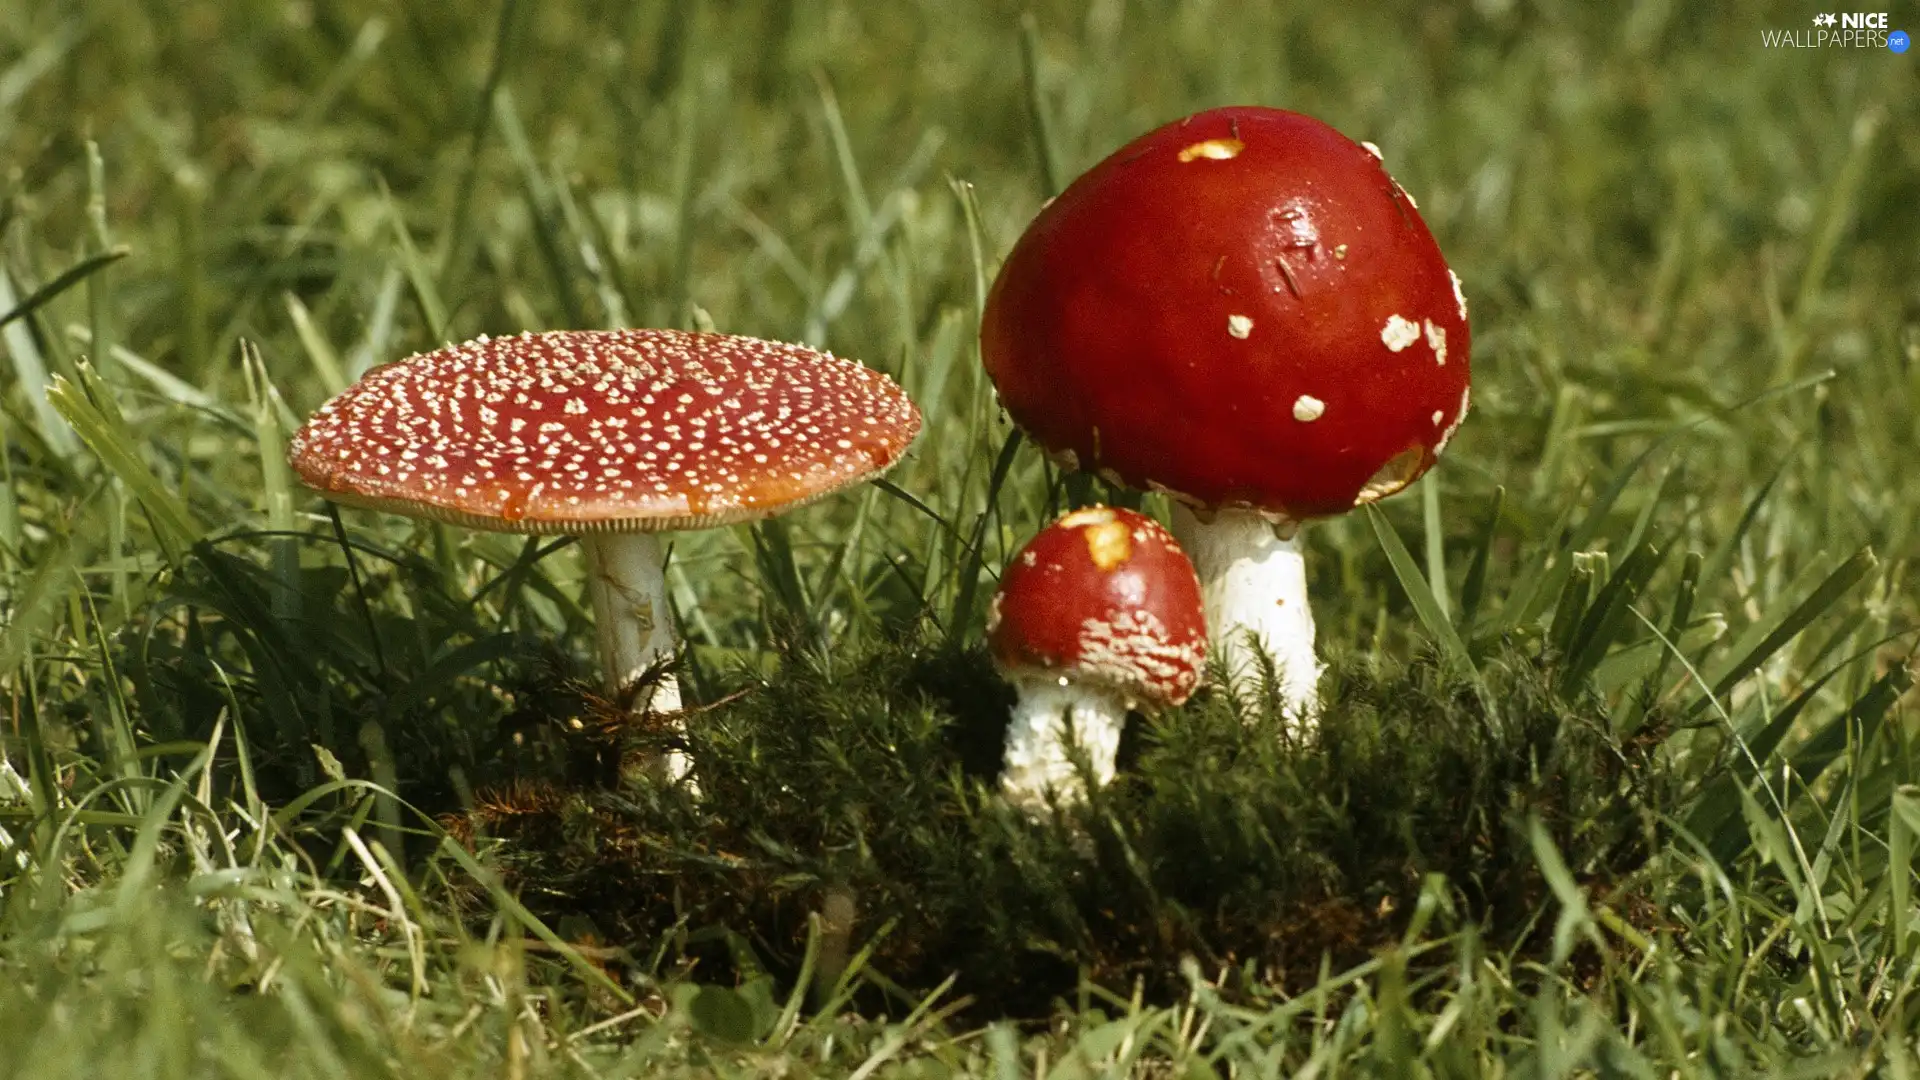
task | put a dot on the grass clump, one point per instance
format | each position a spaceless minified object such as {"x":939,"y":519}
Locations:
{"x":862,"y":785}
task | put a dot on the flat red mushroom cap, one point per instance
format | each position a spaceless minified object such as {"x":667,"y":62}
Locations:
{"x":604,"y":431}
{"x":1242,"y":308}
{"x":1103,"y":595}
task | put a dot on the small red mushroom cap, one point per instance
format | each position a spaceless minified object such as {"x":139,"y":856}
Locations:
{"x":604,"y":431}
{"x":1241,"y":308}
{"x":1106,"y":596}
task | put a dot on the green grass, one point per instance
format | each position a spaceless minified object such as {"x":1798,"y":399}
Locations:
{"x":1618,"y":777}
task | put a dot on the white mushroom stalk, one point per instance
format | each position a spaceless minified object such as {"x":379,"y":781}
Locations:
{"x":1053,"y":716}
{"x":1253,"y":583}
{"x":627,"y":585}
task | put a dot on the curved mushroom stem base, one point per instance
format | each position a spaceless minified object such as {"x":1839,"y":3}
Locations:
{"x":1254,"y":586}
{"x":627,"y":582}
{"x":1048,"y":720}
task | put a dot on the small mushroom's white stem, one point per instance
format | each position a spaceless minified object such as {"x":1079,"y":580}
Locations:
{"x":627,"y":582}
{"x":1052,"y":715}
{"x":1254,"y":585}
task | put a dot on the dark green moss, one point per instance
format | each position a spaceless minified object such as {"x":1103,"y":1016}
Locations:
{"x":870,"y":777}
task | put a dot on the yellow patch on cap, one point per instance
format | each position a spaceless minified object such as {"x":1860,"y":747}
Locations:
{"x":1213,"y":150}
{"x":1110,"y":543}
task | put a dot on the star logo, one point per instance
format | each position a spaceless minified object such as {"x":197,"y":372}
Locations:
{"x":1824,"y":20}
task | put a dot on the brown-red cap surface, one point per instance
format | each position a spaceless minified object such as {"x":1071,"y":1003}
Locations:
{"x":1242,"y":308}
{"x":1103,"y":595}
{"x":604,"y":431}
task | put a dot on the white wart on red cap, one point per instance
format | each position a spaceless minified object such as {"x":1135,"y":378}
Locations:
{"x":605,"y":431}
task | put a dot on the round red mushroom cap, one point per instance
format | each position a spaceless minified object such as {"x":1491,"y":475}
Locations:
{"x":604,"y":431}
{"x":1103,"y":595}
{"x":1241,"y":308}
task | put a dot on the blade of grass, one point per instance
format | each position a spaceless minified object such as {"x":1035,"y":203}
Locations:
{"x":871,"y":227}
{"x":1746,"y":749}
{"x":597,"y":255}
{"x":32,"y":606}
{"x":100,"y":302}
{"x":460,"y":223}
{"x":376,"y":344}
{"x":48,"y":49}
{"x":1436,"y":538}
{"x":1575,"y":919}
{"x":320,"y":352}
{"x":173,"y":525}
{"x":1722,"y":557}
{"x":1576,"y":592}
{"x":514,"y":909}
{"x":1424,"y":605}
{"x":1474,"y":587}
{"x":1823,"y":597}
{"x":66,"y":279}
{"x":540,"y":208}
{"x":1684,"y":595}
{"x":30,"y":372}
{"x":779,"y":571}
{"x":10,"y":531}
{"x":1842,"y":196}
{"x":1903,"y":827}
{"x":1606,"y":619}
{"x":933,"y":515}
{"x":276,"y":481}
{"x":163,"y":382}
{"x":973,"y":564}
{"x":419,"y":274}
{"x":688,"y":132}
{"x":1037,"y":123}
{"x":1856,"y":726}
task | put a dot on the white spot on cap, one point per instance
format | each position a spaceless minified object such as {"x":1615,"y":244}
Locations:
{"x":1213,"y":150}
{"x":1446,"y":436}
{"x":1239,"y":326}
{"x":1437,"y":415}
{"x":1307,"y":408}
{"x":1437,"y":341}
{"x":1459,"y":295}
{"x":1399,"y":333}
{"x":1374,"y":150}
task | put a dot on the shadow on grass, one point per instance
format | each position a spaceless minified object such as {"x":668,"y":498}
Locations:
{"x":861,"y":787}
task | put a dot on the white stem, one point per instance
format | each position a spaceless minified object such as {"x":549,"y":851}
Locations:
{"x":628,"y":586}
{"x":1254,"y":586}
{"x":1052,"y":715}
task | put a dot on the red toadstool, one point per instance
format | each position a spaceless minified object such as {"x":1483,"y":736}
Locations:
{"x":1099,"y":612}
{"x":1243,"y":310}
{"x":611,"y":435}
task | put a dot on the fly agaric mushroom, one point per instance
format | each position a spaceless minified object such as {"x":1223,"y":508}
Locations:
{"x":1098,"y":613}
{"x":614,"y":436}
{"x":1242,"y":310}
